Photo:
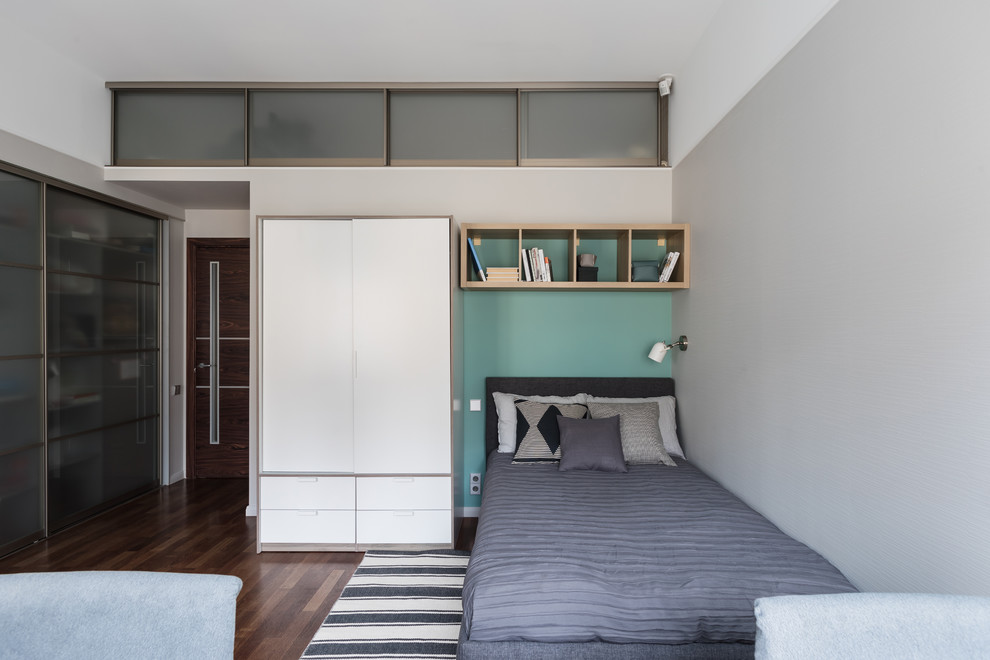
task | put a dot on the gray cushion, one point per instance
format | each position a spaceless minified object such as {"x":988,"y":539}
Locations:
{"x":537,"y":430}
{"x":639,"y":426}
{"x":591,"y":444}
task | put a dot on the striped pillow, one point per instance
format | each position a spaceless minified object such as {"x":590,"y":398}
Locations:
{"x":640,"y":430}
{"x":537,"y":431}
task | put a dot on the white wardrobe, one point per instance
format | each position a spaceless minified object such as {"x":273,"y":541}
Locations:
{"x":355,"y":414}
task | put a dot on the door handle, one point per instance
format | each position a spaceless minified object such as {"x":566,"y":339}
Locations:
{"x":203,"y":365}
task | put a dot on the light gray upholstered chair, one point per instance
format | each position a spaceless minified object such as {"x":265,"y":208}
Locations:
{"x":873,"y":626}
{"x":117,"y":614}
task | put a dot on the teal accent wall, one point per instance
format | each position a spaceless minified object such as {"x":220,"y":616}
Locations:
{"x":553,"y":333}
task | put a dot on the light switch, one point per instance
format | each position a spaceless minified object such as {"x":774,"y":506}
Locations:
{"x":475,"y":405}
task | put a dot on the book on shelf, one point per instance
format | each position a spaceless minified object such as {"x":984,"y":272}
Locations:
{"x":527,"y":273}
{"x":500,"y":274}
{"x":543,"y":265}
{"x":475,"y":261}
{"x":538,"y":265}
{"x":668,"y":266}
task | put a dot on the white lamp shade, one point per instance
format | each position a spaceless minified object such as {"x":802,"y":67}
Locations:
{"x":658,"y":352}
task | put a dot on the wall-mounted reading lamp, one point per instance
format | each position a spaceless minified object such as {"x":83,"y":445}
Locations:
{"x":659,"y":350}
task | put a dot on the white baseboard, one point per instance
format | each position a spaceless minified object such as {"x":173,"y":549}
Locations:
{"x":467,"y":511}
{"x":251,"y":511}
{"x":176,"y":477}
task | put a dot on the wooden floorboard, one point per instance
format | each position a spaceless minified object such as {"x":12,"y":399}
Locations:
{"x":199,"y":526}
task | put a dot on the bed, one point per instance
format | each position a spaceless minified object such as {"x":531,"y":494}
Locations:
{"x":657,"y":562}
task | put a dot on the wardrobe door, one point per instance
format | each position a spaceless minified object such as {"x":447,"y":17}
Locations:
{"x":307,"y":352}
{"x":402,"y":346}
{"x":22,"y":394}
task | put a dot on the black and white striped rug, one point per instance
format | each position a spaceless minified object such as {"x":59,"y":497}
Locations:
{"x":396,"y":605}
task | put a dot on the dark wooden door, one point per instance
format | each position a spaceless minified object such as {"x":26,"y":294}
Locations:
{"x":218,"y":357}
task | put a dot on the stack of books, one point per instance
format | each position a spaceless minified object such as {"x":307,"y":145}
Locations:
{"x":668,"y":266}
{"x":536,"y":266}
{"x":499,"y":274}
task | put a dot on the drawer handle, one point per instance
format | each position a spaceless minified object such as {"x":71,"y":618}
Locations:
{"x":306,"y":479}
{"x":306,"y":513}
{"x":404,"y":513}
{"x":403,"y":480}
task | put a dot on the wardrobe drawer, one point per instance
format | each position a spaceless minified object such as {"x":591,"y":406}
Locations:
{"x":377,"y":493}
{"x":305,"y":526}
{"x":306,"y":493}
{"x":404,"y":526}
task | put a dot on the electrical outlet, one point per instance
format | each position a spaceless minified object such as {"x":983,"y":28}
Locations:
{"x":476,"y":483}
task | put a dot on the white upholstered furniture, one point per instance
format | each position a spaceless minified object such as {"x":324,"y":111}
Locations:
{"x":873,"y":626}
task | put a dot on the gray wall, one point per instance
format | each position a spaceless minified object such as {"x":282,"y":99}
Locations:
{"x":839,"y":315}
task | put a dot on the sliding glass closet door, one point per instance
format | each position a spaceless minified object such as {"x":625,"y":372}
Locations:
{"x":103,"y":355}
{"x":22,"y":448}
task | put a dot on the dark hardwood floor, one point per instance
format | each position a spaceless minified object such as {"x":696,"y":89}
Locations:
{"x":198,"y":526}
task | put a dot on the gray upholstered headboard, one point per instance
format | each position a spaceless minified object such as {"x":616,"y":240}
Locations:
{"x":566,"y":386}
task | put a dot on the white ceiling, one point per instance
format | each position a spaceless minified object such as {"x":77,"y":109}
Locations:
{"x":369,"y":40}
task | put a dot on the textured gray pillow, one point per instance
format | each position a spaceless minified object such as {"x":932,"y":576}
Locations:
{"x":639,"y":426}
{"x":591,"y":444}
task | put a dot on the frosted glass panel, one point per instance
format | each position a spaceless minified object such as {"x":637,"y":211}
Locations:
{"x":91,"y":392}
{"x":20,"y":220}
{"x":88,"y":314}
{"x":20,"y":311}
{"x":20,"y":404}
{"x":20,"y":496}
{"x":130,"y":458}
{"x":317,"y":124}
{"x":90,"y":237}
{"x":608,"y":124}
{"x":458,"y":126}
{"x":85,"y":471}
{"x":186,"y":126}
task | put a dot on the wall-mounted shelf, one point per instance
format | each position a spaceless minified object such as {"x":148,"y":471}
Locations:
{"x":615,"y":245}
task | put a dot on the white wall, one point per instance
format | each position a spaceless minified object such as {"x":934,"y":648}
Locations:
{"x":839,"y":371}
{"x":51,"y":100}
{"x":744,"y":40}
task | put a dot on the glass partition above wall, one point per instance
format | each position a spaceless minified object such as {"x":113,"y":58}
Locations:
{"x":582,"y":125}
{"x":457,"y":128}
{"x":317,"y":127}
{"x":158,"y":127}
{"x":585,"y":127}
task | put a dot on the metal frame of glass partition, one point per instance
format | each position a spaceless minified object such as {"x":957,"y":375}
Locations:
{"x":46,"y":183}
{"x":386,"y":159}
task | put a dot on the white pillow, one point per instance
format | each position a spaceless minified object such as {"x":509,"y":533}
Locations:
{"x":668,"y":423}
{"x":505,"y":407}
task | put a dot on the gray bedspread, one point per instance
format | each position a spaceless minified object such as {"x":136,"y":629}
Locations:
{"x":656,"y":555}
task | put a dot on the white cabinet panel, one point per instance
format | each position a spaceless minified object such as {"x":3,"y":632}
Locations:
{"x":305,"y":526}
{"x":404,"y":526}
{"x":403,"y":493}
{"x":402,"y":337}
{"x":307,"y":411}
{"x":306,"y":493}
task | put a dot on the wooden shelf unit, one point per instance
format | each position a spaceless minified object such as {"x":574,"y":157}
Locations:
{"x":616,"y":246}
